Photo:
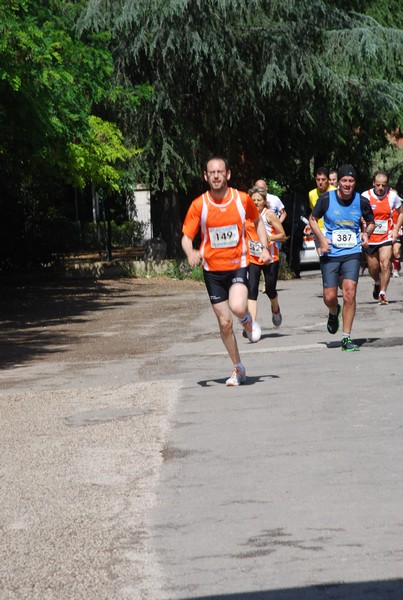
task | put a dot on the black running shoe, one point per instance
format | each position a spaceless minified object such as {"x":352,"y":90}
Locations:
{"x":348,"y":346}
{"x":375,"y":291}
{"x":333,"y":321}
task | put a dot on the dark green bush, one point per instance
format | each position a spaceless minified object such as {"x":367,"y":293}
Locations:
{"x":180,"y":269}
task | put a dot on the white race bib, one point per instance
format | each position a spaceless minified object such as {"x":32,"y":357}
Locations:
{"x":224,"y":237}
{"x":344,"y":238}
{"x":381,"y":226}
{"x":255,"y":248}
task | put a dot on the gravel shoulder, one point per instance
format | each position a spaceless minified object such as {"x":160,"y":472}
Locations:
{"x":83,"y":423}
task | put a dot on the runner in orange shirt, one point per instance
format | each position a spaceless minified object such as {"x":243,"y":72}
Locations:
{"x":219,"y":215}
{"x":275,"y":234}
{"x":383,"y":201}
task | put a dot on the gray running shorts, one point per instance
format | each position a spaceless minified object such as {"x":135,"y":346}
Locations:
{"x":346,"y":266}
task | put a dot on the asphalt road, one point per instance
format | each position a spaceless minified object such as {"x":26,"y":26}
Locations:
{"x":129,"y":470}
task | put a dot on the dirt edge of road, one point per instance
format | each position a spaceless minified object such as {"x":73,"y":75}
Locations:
{"x":82,"y":440}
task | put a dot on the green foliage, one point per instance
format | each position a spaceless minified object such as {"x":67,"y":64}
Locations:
{"x":50,"y":82}
{"x":389,"y":13}
{"x":54,"y":87}
{"x":128,"y":234}
{"x":180,"y":269}
{"x":284,"y":273}
{"x":268,"y":84}
{"x":275,"y":187}
{"x":391,"y":160}
{"x":95,"y":158}
{"x":274,"y":86}
{"x":83,"y":236}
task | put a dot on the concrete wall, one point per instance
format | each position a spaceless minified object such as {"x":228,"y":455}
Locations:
{"x":141,"y":211}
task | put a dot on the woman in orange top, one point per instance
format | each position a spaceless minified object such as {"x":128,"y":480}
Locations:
{"x":275,"y":233}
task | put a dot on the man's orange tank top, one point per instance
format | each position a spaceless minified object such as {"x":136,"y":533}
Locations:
{"x":222,"y":226}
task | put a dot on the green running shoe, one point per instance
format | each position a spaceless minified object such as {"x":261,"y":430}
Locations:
{"x":348,"y":346}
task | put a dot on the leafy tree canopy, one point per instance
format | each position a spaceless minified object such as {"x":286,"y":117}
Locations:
{"x":270,"y":84}
{"x":54,"y":87}
{"x":52,"y":82}
{"x":98,"y":158}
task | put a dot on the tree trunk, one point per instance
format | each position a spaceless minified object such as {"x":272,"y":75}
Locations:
{"x":167,"y":222}
{"x":96,"y":216}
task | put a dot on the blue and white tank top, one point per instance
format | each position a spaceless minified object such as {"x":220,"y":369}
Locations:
{"x":343,"y":226}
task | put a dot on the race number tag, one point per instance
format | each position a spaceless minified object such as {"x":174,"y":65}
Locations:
{"x":381,"y":226}
{"x":255,"y":248}
{"x":224,"y":237}
{"x":344,"y":238}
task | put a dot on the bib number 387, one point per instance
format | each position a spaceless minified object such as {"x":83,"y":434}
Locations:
{"x":344,"y":238}
{"x":224,"y":237}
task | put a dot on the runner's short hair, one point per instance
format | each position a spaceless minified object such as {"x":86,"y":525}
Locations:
{"x":217,"y":157}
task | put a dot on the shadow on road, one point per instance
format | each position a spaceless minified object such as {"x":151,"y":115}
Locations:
{"x":33,"y":318}
{"x":370,"y":590}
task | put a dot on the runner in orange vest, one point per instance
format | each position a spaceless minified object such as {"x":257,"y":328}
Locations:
{"x":383,"y":202}
{"x":275,"y":234}
{"x":220,"y":215}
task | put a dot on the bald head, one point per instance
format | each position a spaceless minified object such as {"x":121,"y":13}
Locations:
{"x":261,"y":184}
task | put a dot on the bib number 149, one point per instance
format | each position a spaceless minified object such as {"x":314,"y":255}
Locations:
{"x":224,"y":237}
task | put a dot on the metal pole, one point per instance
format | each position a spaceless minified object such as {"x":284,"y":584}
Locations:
{"x":292,"y":228}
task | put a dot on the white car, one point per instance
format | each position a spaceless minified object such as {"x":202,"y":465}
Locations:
{"x":308,"y":254}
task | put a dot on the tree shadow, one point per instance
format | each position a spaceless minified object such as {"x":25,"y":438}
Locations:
{"x":37,"y":316}
{"x":370,"y":590}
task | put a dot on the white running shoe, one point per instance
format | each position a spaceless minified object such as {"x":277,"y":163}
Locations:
{"x":382,"y":299}
{"x":253,"y":331}
{"x":276,"y":318}
{"x":395,"y":273}
{"x":237,"y":378}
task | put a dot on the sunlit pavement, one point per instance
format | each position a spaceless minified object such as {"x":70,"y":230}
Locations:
{"x":140,"y":475}
{"x":290,"y":486}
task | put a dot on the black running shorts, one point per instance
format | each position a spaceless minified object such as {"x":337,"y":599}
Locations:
{"x":373,"y":248}
{"x":218,"y":283}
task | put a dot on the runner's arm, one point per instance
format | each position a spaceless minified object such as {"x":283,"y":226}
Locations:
{"x":276,"y":222}
{"x":399,"y":224}
{"x":368,"y":216}
{"x":317,"y":213}
{"x":283,"y":215}
{"x":192,"y":255}
{"x":262,"y":233}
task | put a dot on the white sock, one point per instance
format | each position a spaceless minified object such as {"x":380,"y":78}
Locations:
{"x":245,"y":320}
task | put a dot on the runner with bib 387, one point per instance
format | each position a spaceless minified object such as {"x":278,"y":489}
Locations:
{"x":340,"y":248}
